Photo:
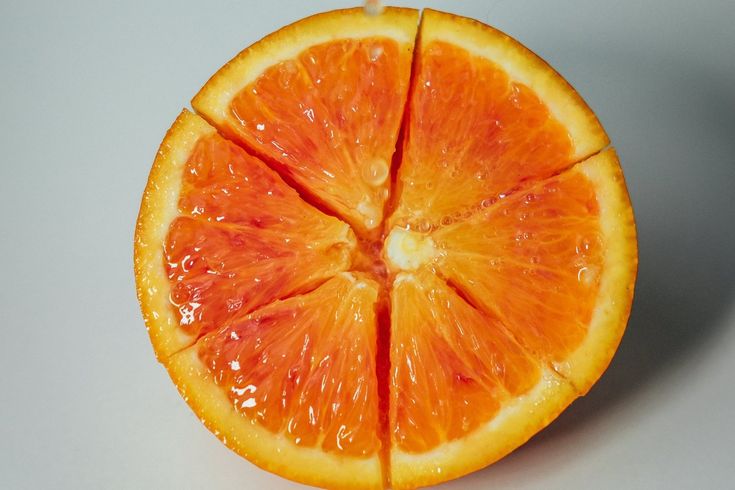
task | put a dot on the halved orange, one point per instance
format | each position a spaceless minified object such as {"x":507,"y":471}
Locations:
{"x":351,"y":317}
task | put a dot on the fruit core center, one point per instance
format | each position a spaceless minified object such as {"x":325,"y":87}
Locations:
{"x":408,"y":250}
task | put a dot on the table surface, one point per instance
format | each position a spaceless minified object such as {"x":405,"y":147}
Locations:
{"x":87,"y":91}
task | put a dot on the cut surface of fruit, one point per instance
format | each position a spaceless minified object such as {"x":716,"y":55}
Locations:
{"x":327,"y":115}
{"x":293,"y":384}
{"x":551,"y":267}
{"x":350,"y":317}
{"x":230,"y":233}
{"x":442,"y":345}
{"x":485,"y":115}
{"x":539,"y":258}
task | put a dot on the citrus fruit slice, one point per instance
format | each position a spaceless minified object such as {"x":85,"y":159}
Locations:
{"x":322,"y":99}
{"x":292,"y":386}
{"x":351,"y":317}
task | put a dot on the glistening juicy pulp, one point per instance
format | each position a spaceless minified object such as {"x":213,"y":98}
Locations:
{"x":473,"y":135}
{"x":305,"y":367}
{"x":508,"y":282}
{"x":534,"y":261}
{"x":329,"y":120}
{"x":452,"y":367}
{"x":244,"y":239}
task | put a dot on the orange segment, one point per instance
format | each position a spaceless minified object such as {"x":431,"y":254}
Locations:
{"x":537,"y":259}
{"x":463,"y":392}
{"x":305,"y":367}
{"x":218,"y":271}
{"x":485,"y":115}
{"x":518,"y":419}
{"x":239,"y":236}
{"x":294,"y":383}
{"x":327,"y":115}
{"x":440,"y":346}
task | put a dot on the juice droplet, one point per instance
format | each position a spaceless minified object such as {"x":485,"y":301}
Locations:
{"x":370,"y":213}
{"x":375,"y":53}
{"x":587,"y":275}
{"x":424,"y":226}
{"x":515,"y":95}
{"x":486,"y":203}
{"x":375,"y":172}
{"x":373,"y":7}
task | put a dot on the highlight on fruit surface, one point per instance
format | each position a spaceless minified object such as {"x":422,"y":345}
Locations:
{"x":386,"y":249}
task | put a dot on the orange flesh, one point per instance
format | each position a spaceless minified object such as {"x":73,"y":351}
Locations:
{"x":329,"y":120}
{"x":452,"y":366}
{"x":305,"y":367}
{"x":244,"y":239}
{"x":433,"y":356}
{"x":534,"y":260}
{"x":473,"y":135}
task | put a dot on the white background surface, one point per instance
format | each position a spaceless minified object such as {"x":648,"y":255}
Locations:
{"x":87,"y":91}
